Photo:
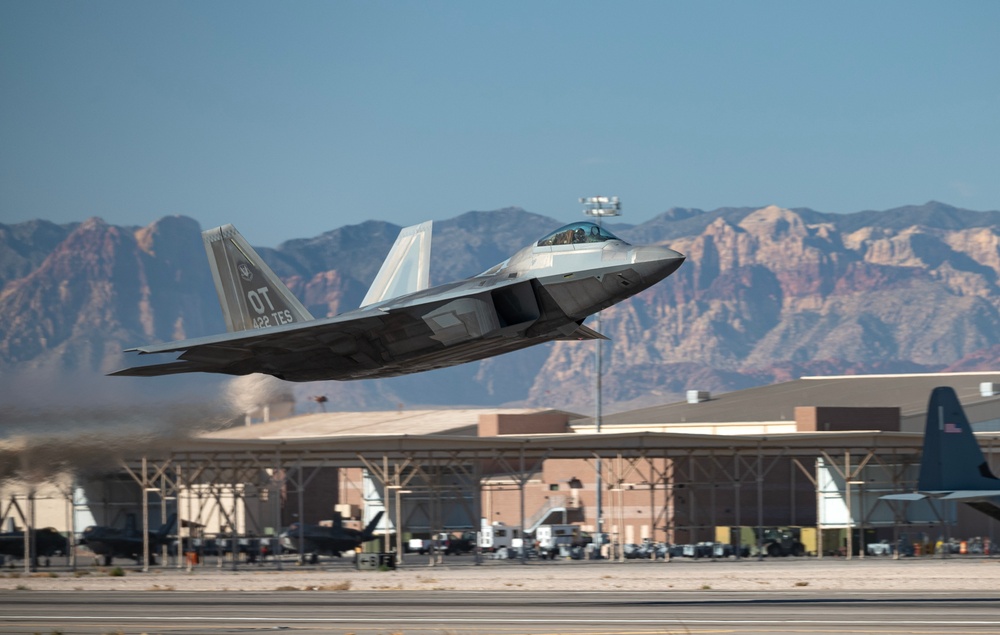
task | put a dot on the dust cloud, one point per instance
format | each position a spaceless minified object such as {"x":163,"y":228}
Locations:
{"x":40,"y":440}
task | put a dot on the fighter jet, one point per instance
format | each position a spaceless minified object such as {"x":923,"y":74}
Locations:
{"x":542,"y":293}
{"x":952,"y":467}
{"x":111,"y":542}
{"x":46,"y":542}
{"x":317,"y":539}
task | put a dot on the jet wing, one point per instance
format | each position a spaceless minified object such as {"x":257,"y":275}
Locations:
{"x":345,"y":341}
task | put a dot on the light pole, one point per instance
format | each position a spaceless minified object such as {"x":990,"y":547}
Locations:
{"x":599,"y":207}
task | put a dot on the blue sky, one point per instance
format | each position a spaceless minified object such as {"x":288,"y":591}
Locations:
{"x":290,"y":119}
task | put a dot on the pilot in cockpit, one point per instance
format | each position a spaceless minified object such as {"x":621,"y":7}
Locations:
{"x":563,"y":238}
{"x":577,"y":233}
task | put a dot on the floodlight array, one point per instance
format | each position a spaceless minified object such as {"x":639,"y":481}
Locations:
{"x":601,"y":206}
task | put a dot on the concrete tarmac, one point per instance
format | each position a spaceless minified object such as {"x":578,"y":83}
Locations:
{"x":498,"y":612}
{"x":457,"y":597}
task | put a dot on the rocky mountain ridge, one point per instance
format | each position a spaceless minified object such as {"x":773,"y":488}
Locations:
{"x":765,"y":295}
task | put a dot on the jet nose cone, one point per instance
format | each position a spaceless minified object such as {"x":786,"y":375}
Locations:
{"x":655,"y":262}
{"x":655,"y":253}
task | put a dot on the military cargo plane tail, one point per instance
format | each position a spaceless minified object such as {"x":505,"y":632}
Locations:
{"x":251,"y":295}
{"x":952,"y":457}
{"x":953,"y":467}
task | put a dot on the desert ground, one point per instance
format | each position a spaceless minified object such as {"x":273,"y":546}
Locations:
{"x":924,"y":575}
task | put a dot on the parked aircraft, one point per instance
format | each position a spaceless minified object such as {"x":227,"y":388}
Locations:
{"x":47,"y":543}
{"x":111,"y":542}
{"x":317,"y":539}
{"x":952,"y":467}
{"x":542,"y":293}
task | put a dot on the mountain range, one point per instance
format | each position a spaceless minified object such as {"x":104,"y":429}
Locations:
{"x":767,"y":294}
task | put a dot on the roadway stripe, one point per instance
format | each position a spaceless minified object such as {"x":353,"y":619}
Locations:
{"x":472,"y":620}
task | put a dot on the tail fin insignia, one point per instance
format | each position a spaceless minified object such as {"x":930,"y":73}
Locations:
{"x":251,"y":295}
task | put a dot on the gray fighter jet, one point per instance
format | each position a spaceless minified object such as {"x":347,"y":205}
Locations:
{"x":46,"y":542}
{"x":542,"y":293}
{"x":112,"y":542}
{"x":317,"y":539}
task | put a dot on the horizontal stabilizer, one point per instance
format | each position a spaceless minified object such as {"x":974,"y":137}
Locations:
{"x":968,"y":495}
{"x":407,"y":267}
{"x":903,"y":497}
{"x":584,"y":333}
{"x":155,"y":370}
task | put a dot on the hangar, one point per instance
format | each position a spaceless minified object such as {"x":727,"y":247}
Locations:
{"x":816,"y":451}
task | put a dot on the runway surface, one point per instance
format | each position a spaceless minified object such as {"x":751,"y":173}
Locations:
{"x":498,"y":612}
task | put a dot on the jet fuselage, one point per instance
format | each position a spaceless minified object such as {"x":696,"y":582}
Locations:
{"x":543,"y":292}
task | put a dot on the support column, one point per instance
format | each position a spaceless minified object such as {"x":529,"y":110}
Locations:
{"x":302,"y":512}
{"x":71,"y":523}
{"x":847,"y":500}
{"x":163,"y":520}
{"x":30,"y":544}
{"x":145,"y":516}
{"x":652,"y":503}
{"x":738,"y":505}
{"x":279,"y":483}
{"x":522,"y":478}
{"x":760,"y":505}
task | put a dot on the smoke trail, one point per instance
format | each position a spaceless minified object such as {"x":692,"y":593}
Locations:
{"x":39,"y":442}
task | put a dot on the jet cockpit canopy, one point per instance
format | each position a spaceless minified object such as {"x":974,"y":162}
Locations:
{"x":577,"y":233}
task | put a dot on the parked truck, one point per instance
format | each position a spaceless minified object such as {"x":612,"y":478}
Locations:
{"x":783,"y":541}
{"x":555,"y":540}
{"x":446,"y":543}
{"x":775,"y":541}
{"x":499,"y":536}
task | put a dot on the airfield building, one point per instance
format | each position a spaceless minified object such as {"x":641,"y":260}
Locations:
{"x":813,"y":452}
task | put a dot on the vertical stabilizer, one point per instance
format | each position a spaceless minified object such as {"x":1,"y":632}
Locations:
{"x":166,"y":527}
{"x":251,"y":295}
{"x":952,"y":458}
{"x":407,"y":267}
{"x":369,"y":531}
